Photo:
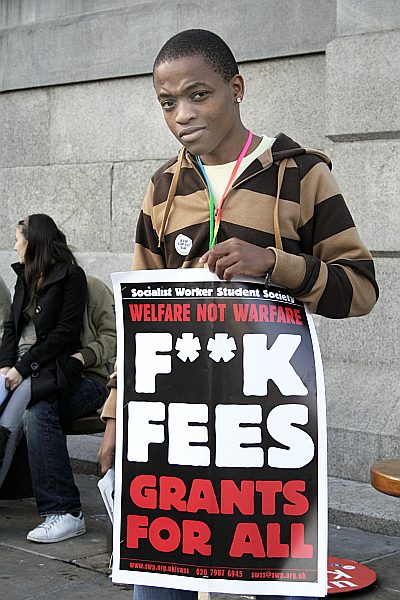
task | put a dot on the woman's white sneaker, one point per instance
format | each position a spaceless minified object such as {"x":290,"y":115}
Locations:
{"x":56,"y":528}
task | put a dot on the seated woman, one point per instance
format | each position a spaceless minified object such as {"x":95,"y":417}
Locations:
{"x":40,"y":337}
{"x":98,"y":347}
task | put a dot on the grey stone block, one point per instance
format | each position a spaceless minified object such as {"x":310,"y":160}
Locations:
{"x":24,"y":128}
{"x":102,"y":264}
{"x":64,"y":8}
{"x":363,"y":406}
{"x":362,"y":83}
{"x":269,"y":85}
{"x":6,"y":259}
{"x":90,"y":46}
{"x":264,"y":28}
{"x":16,"y":12}
{"x":367,"y":173}
{"x":21,"y":12}
{"x":130,"y":183}
{"x":390,"y":444}
{"x":351,"y":453}
{"x":124,"y":41}
{"x":392,"y":425}
{"x":370,"y":340}
{"x":113,"y":120}
{"x":3,"y":45}
{"x":77,"y":197}
{"x":355,"y":397}
{"x":362,"y":16}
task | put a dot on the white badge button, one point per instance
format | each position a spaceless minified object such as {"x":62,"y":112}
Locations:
{"x":183,"y":244}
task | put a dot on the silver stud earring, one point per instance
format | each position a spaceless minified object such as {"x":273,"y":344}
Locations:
{"x":238,"y":100}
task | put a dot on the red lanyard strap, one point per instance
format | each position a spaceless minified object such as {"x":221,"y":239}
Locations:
{"x":216,"y":220}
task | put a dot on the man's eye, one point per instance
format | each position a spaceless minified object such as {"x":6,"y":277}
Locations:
{"x":167,"y":104}
{"x":200,"y":95}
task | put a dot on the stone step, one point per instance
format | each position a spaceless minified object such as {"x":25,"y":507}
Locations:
{"x":355,"y":504}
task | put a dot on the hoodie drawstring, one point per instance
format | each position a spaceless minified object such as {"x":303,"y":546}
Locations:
{"x":277,"y":229}
{"x":171,"y":195}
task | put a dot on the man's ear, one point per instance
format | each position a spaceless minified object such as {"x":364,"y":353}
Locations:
{"x":237,"y":86}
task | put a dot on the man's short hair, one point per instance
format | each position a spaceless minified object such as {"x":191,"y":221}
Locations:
{"x":200,"y":42}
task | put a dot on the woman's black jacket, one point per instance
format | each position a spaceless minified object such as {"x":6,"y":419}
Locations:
{"x":57,"y":318}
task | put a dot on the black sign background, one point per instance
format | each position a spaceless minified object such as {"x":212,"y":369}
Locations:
{"x":205,"y":381}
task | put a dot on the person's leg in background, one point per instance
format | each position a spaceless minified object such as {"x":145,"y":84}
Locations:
{"x":143,"y":592}
{"x":51,"y":473}
{"x":12,"y":419}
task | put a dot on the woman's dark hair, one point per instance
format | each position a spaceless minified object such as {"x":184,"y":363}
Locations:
{"x":200,"y":42}
{"x":47,"y":247}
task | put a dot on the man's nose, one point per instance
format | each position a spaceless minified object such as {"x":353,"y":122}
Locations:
{"x":185,"y":112}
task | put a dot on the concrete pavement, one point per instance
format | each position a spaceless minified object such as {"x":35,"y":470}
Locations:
{"x":78,"y":568}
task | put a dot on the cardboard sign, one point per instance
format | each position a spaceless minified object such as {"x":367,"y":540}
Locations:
{"x":221,"y":455}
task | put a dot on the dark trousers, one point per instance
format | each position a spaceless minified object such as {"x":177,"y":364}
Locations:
{"x":51,"y":473}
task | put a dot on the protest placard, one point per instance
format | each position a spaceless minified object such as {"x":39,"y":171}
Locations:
{"x":221,"y":437}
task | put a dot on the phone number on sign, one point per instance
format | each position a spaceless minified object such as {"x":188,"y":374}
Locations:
{"x":212,"y":572}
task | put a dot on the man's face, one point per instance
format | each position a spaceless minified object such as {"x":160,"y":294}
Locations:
{"x":199,"y":106}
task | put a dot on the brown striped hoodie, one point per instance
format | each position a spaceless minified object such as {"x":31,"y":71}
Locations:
{"x":322,"y":261}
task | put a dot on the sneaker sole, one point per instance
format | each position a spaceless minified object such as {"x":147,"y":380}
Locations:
{"x":61,"y":538}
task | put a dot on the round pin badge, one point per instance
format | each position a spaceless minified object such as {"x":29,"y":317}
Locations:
{"x":183,"y":244}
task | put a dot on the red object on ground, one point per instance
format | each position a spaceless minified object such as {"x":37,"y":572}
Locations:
{"x":346,"y":575}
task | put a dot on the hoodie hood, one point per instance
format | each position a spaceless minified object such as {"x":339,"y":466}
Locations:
{"x":285,"y":147}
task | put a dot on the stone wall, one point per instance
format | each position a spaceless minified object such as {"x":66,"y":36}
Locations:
{"x":81,"y":132}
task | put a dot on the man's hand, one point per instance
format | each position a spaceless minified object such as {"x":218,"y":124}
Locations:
{"x":4,"y":370}
{"x":13,"y":379}
{"x":107,"y":449}
{"x":236,"y":257}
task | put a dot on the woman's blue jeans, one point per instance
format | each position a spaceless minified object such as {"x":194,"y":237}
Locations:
{"x":12,"y":420}
{"x":142,"y":592}
{"x":51,"y":473}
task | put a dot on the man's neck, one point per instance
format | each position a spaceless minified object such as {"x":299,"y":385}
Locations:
{"x":230,"y":149}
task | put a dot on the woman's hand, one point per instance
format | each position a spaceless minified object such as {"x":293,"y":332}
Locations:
{"x":13,"y":379}
{"x":4,"y":370}
{"x":107,"y":449}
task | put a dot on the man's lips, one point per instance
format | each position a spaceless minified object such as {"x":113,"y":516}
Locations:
{"x":191,"y":134}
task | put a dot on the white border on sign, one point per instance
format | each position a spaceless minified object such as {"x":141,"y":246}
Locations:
{"x":293,"y":588}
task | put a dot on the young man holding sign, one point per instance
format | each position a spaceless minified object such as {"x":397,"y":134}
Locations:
{"x":241,"y":204}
